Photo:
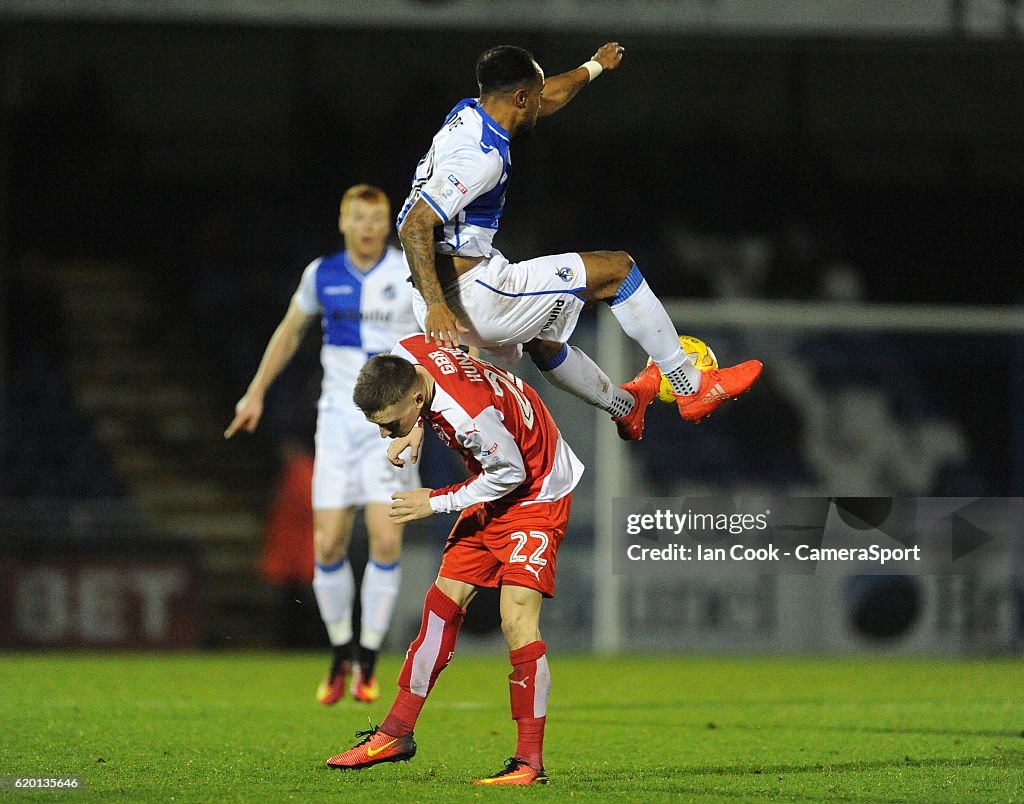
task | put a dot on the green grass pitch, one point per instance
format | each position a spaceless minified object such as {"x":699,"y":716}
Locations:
{"x":245,"y":727}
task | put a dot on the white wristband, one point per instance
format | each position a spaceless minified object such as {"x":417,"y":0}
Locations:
{"x":593,"y":67}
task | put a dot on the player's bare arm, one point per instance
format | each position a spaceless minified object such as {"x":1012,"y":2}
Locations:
{"x":417,"y":236}
{"x":562,"y":88}
{"x":407,"y":506}
{"x":280,"y":349}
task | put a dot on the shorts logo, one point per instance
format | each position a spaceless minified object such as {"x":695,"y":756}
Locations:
{"x":566,"y":274}
{"x":556,"y":311}
{"x":458,"y":184}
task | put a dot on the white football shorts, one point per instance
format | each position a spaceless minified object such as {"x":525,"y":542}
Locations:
{"x":351,"y":466}
{"x":505,"y":304}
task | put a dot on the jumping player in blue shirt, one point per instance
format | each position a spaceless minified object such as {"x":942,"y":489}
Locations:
{"x":467,"y":291}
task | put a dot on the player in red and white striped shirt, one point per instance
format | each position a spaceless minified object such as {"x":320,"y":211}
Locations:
{"x":513,"y":515}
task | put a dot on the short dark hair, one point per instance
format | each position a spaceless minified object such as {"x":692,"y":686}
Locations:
{"x":503,"y":68}
{"x":383,"y":382}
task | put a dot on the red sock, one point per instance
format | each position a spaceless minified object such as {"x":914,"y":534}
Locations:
{"x":529,"y":686}
{"x":427,"y":656}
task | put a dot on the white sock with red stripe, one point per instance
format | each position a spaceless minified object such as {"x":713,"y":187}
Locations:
{"x":427,"y":656}
{"x":529,"y":686}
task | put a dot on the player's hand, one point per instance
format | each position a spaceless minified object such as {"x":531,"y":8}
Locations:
{"x":441,"y":326}
{"x":248,"y":413}
{"x":399,"y":445}
{"x":609,"y":55}
{"x":409,"y":505}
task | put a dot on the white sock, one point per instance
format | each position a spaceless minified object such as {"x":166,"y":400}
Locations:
{"x":573,"y":371}
{"x":377,"y":597}
{"x":684,"y":380}
{"x":644,"y":319}
{"x":334,"y":588}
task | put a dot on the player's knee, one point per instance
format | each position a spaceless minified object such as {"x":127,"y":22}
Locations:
{"x":458,"y":592}
{"x":386,"y":549}
{"x":328,"y":547}
{"x":606,"y":271}
{"x":618,"y":264}
{"x":519,"y":625}
{"x":624,"y":263}
{"x":542,"y":352}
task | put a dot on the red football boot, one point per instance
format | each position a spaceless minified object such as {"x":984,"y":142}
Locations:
{"x":644,"y":387}
{"x":717,"y":386}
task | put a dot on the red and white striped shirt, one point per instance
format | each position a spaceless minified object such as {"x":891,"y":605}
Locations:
{"x":499,"y":425}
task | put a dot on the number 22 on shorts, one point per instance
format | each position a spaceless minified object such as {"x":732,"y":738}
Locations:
{"x":536,"y":559}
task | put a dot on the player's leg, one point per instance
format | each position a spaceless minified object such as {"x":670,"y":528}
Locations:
{"x":334,"y":588}
{"x":530,"y":681}
{"x":537,"y":303}
{"x":529,"y":686}
{"x":613,"y":277}
{"x":378,"y":480}
{"x":464,"y":564}
{"x":335,"y":495}
{"x":429,"y":654}
{"x":529,"y":548}
{"x":377,"y":595}
{"x":570,"y":369}
{"x":444,"y":609}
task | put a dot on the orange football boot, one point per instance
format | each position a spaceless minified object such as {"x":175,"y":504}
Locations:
{"x":644,"y":387}
{"x":376,"y":747}
{"x":516,"y":772}
{"x":364,"y":690}
{"x":332,"y":688}
{"x":717,"y":386}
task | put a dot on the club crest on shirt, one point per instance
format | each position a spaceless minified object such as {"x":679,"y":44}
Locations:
{"x":389,"y":292}
{"x":462,"y":188}
{"x":566,"y":274}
